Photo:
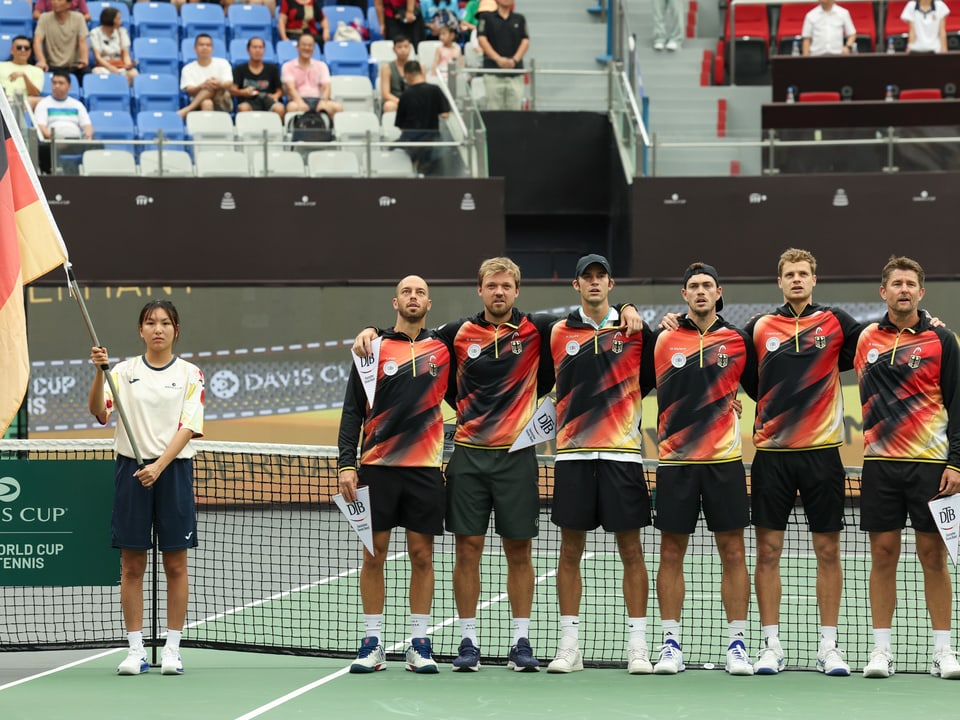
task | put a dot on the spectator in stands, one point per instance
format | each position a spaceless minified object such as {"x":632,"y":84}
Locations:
{"x":18,"y":75}
{"x":111,"y":45}
{"x":298,"y":17}
{"x":60,"y":40}
{"x":928,"y":26}
{"x":440,"y":14}
{"x":448,"y":52}
{"x":504,"y":41}
{"x":392,"y":82}
{"x":400,"y":17}
{"x":668,"y":24}
{"x":80,"y":6}
{"x":306,"y":81}
{"x":828,"y":30}
{"x":256,"y":84}
{"x":207,"y":80}
{"x":61,"y":116}
{"x":418,"y":115}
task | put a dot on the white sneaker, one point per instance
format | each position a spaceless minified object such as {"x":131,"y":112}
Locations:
{"x":671,"y":659}
{"x":170,"y":662}
{"x":638,"y":658}
{"x":672,"y":45}
{"x":568,"y":659}
{"x":419,"y":657}
{"x":738,"y":662}
{"x":370,"y":657}
{"x":658,"y":45}
{"x":770,"y":659}
{"x":880,"y":665}
{"x":945,"y":664}
{"x":830,"y":660}
{"x":134,"y":663}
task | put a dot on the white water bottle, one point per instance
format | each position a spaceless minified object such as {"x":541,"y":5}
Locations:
{"x":795,"y":50}
{"x":889,"y":96}
{"x":791,"y":95}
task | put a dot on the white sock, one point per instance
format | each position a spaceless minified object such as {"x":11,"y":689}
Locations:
{"x":173,"y":639}
{"x":135,"y":639}
{"x":881,"y":637}
{"x":828,"y":634}
{"x":737,"y":630}
{"x":671,"y":631}
{"x":570,"y":626}
{"x":419,"y":625}
{"x":637,"y":628}
{"x":771,"y":633}
{"x":941,"y":639}
{"x":468,"y":629}
{"x":373,"y":626}
{"x":521,"y":629}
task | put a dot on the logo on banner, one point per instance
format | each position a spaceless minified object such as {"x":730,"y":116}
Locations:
{"x":675,"y":199}
{"x":143,"y":200}
{"x":757,"y":198}
{"x":9,"y":489}
{"x":924,"y":196}
{"x":305,"y":201}
{"x":58,"y":199}
{"x":227,"y":202}
{"x":224,"y":384}
{"x":468,"y":203}
{"x":387,"y":201}
{"x":840,"y":198}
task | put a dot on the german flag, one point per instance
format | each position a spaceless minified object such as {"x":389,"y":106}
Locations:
{"x":30,"y":246}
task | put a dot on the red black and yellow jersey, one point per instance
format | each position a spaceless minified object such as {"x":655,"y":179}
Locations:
{"x":908,"y":390}
{"x":404,"y":428}
{"x":800,"y":357}
{"x":697,"y":378}
{"x":599,"y":386}
{"x":501,"y":370}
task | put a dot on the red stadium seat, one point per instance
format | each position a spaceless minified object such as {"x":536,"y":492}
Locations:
{"x":823,"y":96}
{"x":894,"y":27}
{"x":864,"y":21}
{"x":921,"y":94}
{"x":751,"y":44}
{"x":791,"y":25}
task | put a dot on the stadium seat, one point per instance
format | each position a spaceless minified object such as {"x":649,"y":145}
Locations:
{"x":391,"y":163}
{"x":352,"y":91}
{"x":751,"y":44}
{"x":108,"y":162}
{"x":238,"y":51}
{"x":352,"y":125}
{"x":102,"y":91}
{"x":815,"y":96}
{"x":862,"y":15}
{"x":95,"y":8}
{"x":204,"y":126}
{"x":196,"y":18}
{"x":895,"y":30}
{"x":113,"y":125}
{"x":6,"y":40}
{"x":157,"y":56}
{"x":156,"y":92}
{"x":176,"y":163}
{"x":382,"y":51}
{"x":222,"y":163}
{"x":188,"y":52}
{"x":75,"y":90}
{"x":16,"y":18}
{"x":388,"y":128}
{"x":156,"y":19}
{"x":287,"y":50}
{"x":247,"y":21}
{"x":426,"y":52}
{"x":346,"y":14}
{"x":251,"y":126}
{"x":790,"y":26}
{"x":279,"y":163}
{"x":373,"y":24}
{"x":332,"y":163}
{"x":921,"y":94}
{"x":347,"y":58}
{"x":150,"y":123}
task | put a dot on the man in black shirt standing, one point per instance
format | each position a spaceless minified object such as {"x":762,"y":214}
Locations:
{"x":418,"y":115}
{"x":256,"y":84}
{"x":504,"y":41}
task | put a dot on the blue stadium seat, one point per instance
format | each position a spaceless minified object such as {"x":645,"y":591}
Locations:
{"x":196,"y":18}
{"x":238,"y":52}
{"x":150,"y":123}
{"x":16,"y":18}
{"x":373,"y":22}
{"x":188,"y":53}
{"x":157,"y":56}
{"x":347,"y":58}
{"x":6,"y":40}
{"x":348,"y":14}
{"x":113,"y":125}
{"x":156,"y":19}
{"x":106,"y":92}
{"x":247,"y":21}
{"x":96,"y":7}
{"x":75,"y":91}
{"x":287,"y":50}
{"x":156,"y":92}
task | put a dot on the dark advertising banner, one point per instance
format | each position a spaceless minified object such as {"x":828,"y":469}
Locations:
{"x":247,"y":230}
{"x":852,"y":223}
{"x":55,"y":523}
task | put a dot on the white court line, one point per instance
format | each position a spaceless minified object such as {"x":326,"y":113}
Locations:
{"x":210,"y":618}
{"x":257,"y":712}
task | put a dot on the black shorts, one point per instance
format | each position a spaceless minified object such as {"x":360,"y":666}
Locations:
{"x":168,"y":502}
{"x":260,"y":101}
{"x":480,"y":481}
{"x":893,"y":489}
{"x":721,"y":486}
{"x":407,"y":497}
{"x":777,"y":477}
{"x":591,"y":493}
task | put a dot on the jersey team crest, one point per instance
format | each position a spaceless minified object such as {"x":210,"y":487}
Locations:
{"x":819,"y":339}
{"x":915,"y":357}
{"x":722,"y":358}
{"x":516,"y":345}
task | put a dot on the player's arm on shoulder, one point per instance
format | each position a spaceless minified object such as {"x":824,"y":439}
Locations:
{"x":749,"y":380}
{"x":630,"y":318}
{"x":362,"y":342}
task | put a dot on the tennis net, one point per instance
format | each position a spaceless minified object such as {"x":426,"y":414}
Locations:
{"x":277,"y":571}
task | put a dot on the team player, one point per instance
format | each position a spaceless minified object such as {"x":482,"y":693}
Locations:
{"x":698,"y":368}
{"x":908,"y":372}
{"x":801,"y":349}
{"x":400,"y":463}
{"x":162,"y":398}
{"x":598,"y":475}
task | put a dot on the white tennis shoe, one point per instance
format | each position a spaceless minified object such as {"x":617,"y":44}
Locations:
{"x":569,"y":658}
{"x":945,"y":664}
{"x":880,"y":664}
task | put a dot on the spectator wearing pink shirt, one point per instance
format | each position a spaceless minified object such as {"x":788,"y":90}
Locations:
{"x":306,"y":81}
